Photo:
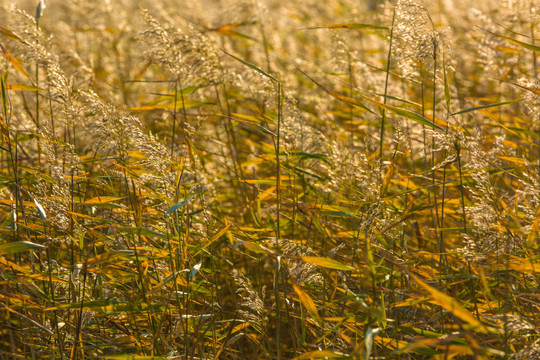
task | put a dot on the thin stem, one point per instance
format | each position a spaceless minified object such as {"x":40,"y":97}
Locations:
{"x":278,"y":231}
{"x":383,"y":115}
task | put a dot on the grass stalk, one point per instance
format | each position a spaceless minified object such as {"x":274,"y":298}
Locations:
{"x":385,"y":98}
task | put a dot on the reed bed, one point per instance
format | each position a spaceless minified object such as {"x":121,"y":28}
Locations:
{"x":269,"y":180}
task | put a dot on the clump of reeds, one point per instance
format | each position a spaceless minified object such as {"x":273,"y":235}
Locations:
{"x":277,"y":180}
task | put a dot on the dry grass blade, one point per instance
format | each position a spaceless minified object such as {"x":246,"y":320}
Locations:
{"x":327,"y":263}
{"x":350,"y":26}
{"x":453,"y":306}
{"x":16,"y":64}
{"x":307,"y":301}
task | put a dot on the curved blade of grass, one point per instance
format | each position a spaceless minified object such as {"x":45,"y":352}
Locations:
{"x":341,"y":214}
{"x":451,"y":305}
{"x":14,"y":61}
{"x":307,"y":301}
{"x":3,"y":89}
{"x":228,"y":30}
{"x":40,"y":8}
{"x":188,"y":90}
{"x":446,"y":86}
{"x":515,"y":160}
{"x":485,"y":107}
{"x":523,"y":265}
{"x":107,"y":306}
{"x":370,"y":333}
{"x":353,"y":26}
{"x":400,"y":99}
{"x":102,"y":200}
{"x":516,"y":42}
{"x":256,"y":68}
{"x":10,"y":35}
{"x":179,"y":205}
{"x":134,"y":357}
{"x":186,"y":104}
{"x":257,"y":248}
{"x":141,"y":231}
{"x":22,"y":87}
{"x":41,"y":211}
{"x":109,"y":256}
{"x":322,"y":354}
{"x":19,"y":246}
{"x":195,"y":270}
{"x":338,"y":96}
{"x":535,"y":90}
{"x":327,"y":263}
{"x":405,"y":113}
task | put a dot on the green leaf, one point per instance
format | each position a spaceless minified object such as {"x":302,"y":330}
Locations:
{"x":485,"y":107}
{"x":109,"y":256}
{"x":405,"y":113}
{"x":327,"y":263}
{"x":257,"y":248}
{"x":179,"y":205}
{"x":516,"y":42}
{"x":179,"y":94}
{"x":3,"y":126}
{"x":19,"y":246}
{"x":446,"y":86}
{"x":252,"y":66}
{"x":400,"y":100}
{"x":341,"y":214}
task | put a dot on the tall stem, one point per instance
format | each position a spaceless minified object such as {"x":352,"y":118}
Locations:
{"x":383,"y":115}
{"x":278,"y":232}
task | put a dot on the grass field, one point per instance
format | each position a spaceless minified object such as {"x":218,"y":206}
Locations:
{"x":269,"y":179}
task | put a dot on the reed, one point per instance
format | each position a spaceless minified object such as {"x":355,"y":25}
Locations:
{"x":271,"y":180}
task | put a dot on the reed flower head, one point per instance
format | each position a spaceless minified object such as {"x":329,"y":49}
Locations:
{"x":187,"y":54}
{"x":251,"y":306}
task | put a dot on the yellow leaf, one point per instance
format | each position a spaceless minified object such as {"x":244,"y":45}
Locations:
{"x":452,"y":305}
{"x":522,"y":265}
{"x":307,"y":301}
{"x":21,"y":87}
{"x":220,"y":233}
{"x":321,"y":354}
{"x":327,"y":263}
{"x":515,"y":160}
{"x":102,"y":200}
{"x":14,"y":62}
